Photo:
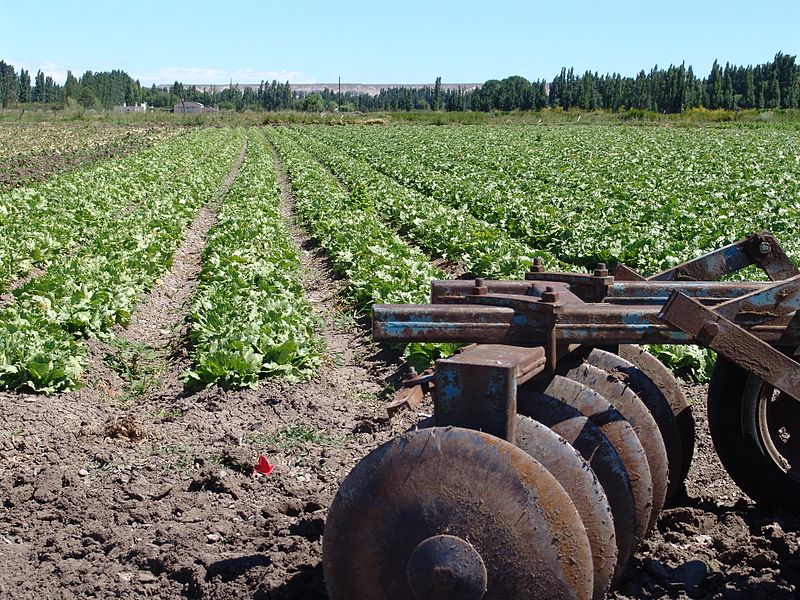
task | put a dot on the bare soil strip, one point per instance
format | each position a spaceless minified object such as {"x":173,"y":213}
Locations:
{"x":27,"y":170}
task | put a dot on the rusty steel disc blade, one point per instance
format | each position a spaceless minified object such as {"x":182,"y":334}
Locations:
{"x":667,"y":390}
{"x":619,"y":432}
{"x":576,"y":476}
{"x":597,"y":450}
{"x":633,"y":378}
{"x":392,"y":509}
{"x":622,"y":397}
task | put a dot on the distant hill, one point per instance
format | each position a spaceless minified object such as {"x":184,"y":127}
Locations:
{"x":373,"y":89}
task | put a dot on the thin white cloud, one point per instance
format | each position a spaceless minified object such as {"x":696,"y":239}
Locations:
{"x":186,"y":75}
{"x":55,"y":70}
{"x":189,"y":75}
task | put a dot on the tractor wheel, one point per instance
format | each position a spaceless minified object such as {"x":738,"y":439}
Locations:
{"x":756,"y":432}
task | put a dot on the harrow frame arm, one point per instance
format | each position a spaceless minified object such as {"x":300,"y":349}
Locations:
{"x":762,"y":249}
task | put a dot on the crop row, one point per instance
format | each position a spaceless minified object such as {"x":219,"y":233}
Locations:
{"x":249,"y":317}
{"x":442,"y":230}
{"x":649,"y":197}
{"x":377,"y":265}
{"x":86,"y":292}
{"x":50,"y":219}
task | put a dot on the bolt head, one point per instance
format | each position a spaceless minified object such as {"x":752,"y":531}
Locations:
{"x":764,"y":248}
{"x":708,"y":332}
{"x":479,"y":289}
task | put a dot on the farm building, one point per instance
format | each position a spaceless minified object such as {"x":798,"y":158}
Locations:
{"x":133,"y":108}
{"x":190,"y":107}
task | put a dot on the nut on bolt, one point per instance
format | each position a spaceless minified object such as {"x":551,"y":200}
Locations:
{"x":601,"y":270}
{"x":550,"y":294}
{"x":480,"y":288}
{"x":537,"y":266}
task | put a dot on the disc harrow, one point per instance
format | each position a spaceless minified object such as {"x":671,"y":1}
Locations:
{"x":556,"y":440}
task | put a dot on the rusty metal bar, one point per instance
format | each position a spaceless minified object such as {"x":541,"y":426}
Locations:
{"x":657,"y":292}
{"x":711,"y":266}
{"x":449,"y":323}
{"x":617,"y":292}
{"x":444,"y":291}
{"x":761,"y":248}
{"x":733,"y":342}
{"x":528,"y":324}
{"x":763,"y":305}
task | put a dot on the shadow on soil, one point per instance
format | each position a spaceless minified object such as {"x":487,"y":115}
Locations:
{"x":306,"y":584}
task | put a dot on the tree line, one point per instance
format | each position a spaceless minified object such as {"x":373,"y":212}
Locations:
{"x":110,"y":88}
{"x":772,"y":85}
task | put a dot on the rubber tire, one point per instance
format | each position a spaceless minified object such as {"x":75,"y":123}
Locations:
{"x":733,"y":422}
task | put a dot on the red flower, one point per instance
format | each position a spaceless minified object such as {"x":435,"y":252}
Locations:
{"x":264,"y":466}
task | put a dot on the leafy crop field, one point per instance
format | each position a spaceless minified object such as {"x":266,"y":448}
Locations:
{"x":649,"y":197}
{"x":174,"y":311}
{"x":33,"y":152}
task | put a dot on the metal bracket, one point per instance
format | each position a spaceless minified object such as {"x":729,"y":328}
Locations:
{"x":590,"y":288}
{"x":764,"y":305}
{"x":733,"y":342}
{"x":477,"y":388}
{"x":625,"y":273}
{"x":411,"y":392}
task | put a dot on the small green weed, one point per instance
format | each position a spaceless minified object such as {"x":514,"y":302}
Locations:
{"x":16,"y":432}
{"x":166,"y":414}
{"x":175,"y":457}
{"x":136,"y":363}
{"x":130,"y":360}
{"x":355,"y":396}
{"x":295,"y":436}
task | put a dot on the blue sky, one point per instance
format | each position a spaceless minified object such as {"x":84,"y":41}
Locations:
{"x":401,"y":42}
